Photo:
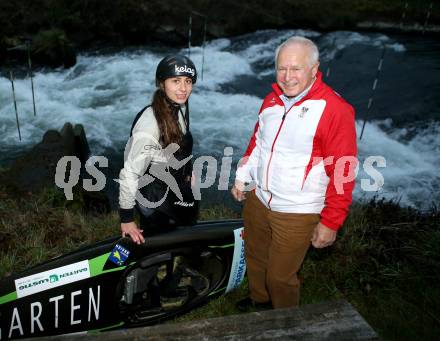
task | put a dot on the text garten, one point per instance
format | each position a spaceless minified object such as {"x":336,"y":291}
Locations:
{"x":19,"y":324}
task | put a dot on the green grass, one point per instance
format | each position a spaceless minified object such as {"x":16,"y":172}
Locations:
{"x":34,"y":228}
{"x":218,"y":212}
{"x":385,"y":262}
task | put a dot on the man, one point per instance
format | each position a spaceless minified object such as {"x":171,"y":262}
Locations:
{"x":301,"y":159}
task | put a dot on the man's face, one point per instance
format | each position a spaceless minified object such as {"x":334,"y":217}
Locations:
{"x":294,"y":72}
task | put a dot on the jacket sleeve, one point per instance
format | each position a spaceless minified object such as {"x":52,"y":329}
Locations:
{"x":247,"y":167}
{"x":339,"y":143}
{"x":142,"y":147}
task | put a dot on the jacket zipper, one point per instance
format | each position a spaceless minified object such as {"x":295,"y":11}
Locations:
{"x":271,"y":154}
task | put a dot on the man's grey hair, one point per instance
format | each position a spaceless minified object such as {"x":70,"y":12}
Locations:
{"x":313,"y":54}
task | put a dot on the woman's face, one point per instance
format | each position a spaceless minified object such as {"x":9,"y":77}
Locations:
{"x":178,"y":89}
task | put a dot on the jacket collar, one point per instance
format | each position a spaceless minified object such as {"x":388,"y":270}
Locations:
{"x":317,"y":84}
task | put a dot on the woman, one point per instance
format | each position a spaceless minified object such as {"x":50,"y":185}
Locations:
{"x":156,"y":159}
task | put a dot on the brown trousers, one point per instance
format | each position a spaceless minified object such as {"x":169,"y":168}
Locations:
{"x":275,"y":246}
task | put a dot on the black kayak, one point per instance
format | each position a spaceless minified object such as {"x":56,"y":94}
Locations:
{"x":116,"y":283}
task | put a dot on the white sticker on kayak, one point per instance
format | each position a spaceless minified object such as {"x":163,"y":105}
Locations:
{"x":238,"y":267}
{"x":52,"y":278}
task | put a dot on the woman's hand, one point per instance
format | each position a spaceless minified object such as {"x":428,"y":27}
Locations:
{"x":131,"y":229}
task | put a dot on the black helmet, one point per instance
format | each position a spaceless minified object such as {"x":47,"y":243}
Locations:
{"x":174,"y":66}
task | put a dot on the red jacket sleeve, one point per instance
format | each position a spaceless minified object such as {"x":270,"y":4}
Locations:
{"x":338,"y":138}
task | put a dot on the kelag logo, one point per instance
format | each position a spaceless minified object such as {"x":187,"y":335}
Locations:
{"x":184,"y":69}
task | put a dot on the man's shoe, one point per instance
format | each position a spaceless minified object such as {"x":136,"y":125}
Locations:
{"x":247,"y":305}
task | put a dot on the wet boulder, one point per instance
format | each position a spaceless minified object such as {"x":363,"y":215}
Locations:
{"x":53,"y":48}
{"x":35,"y":171}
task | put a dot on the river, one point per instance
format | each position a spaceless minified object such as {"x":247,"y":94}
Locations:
{"x":105,"y":90}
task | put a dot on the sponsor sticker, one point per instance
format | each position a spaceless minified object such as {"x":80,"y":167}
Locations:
{"x":52,"y":278}
{"x":119,"y":255}
{"x":238,"y":267}
{"x":184,"y":69}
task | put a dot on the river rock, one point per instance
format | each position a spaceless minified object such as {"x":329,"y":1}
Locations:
{"x":35,"y":170}
{"x":53,"y":48}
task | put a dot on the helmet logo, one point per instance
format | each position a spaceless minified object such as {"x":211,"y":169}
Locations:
{"x":184,"y":69}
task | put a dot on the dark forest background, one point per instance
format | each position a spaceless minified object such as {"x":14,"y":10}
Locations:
{"x":53,"y":30}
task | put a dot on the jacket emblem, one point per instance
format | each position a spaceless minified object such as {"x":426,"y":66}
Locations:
{"x":302,"y":112}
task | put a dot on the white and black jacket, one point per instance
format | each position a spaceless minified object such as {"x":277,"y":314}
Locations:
{"x":142,"y":149}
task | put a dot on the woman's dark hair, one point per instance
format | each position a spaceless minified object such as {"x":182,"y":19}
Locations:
{"x":167,"y":119}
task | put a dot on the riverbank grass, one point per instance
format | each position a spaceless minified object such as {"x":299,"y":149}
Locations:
{"x":385,"y":262}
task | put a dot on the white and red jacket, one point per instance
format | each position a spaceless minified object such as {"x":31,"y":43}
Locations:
{"x":303,"y":160}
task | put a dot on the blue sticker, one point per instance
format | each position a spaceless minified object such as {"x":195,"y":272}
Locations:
{"x":119,"y":255}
